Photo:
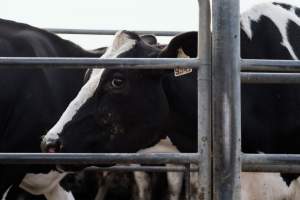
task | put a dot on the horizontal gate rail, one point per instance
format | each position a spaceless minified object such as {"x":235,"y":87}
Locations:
{"x":106,"y":32}
{"x":285,"y":163}
{"x":98,"y":158}
{"x":143,"y":168}
{"x":133,"y":63}
{"x":260,"y":65}
{"x":247,"y":65}
{"x":268,"y":78}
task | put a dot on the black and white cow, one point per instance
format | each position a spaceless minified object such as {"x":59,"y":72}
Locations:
{"x":125,"y":110}
{"x":32,"y":100}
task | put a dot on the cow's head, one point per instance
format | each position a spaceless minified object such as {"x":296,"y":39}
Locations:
{"x":117,"y":110}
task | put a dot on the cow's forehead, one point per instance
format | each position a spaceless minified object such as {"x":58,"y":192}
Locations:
{"x":122,"y":42}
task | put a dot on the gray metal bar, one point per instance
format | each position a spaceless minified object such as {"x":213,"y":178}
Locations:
{"x":98,"y":158}
{"x":143,"y":168}
{"x":226,"y":119}
{"x":268,"y":78}
{"x":248,"y":65}
{"x":106,"y":32}
{"x":133,"y":63}
{"x":253,"y":65}
{"x":204,"y":100}
{"x":187,"y":175}
{"x":285,"y":163}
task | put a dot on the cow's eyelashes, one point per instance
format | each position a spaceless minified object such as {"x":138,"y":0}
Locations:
{"x":117,"y":83}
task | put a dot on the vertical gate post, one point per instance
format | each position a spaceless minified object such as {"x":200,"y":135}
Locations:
{"x":204,"y":99}
{"x":226,"y":119}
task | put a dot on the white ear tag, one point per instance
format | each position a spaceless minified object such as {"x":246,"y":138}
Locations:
{"x":182,"y":71}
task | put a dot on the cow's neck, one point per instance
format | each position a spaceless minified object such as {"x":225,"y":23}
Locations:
{"x":181,"y":93}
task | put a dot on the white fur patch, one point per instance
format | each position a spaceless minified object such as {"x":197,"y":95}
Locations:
{"x":143,"y":181}
{"x":294,"y":190}
{"x":164,"y":146}
{"x":263,"y":186}
{"x":175,"y":182}
{"x":175,"y":179}
{"x":278,"y":15}
{"x":121,"y":44}
{"x":41,"y":183}
{"x":58,"y":193}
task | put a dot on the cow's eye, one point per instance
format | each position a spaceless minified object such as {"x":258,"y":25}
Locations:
{"x":117,"y":82}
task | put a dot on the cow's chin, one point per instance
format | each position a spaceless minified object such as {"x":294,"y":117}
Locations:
{"x":75,"y":168}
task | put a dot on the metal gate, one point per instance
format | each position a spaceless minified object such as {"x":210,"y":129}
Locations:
{"x":219,"y":156}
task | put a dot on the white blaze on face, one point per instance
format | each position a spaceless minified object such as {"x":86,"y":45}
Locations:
{"x":278,"y":15}
{"x":121,"y":44}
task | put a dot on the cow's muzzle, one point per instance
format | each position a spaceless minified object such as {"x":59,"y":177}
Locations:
{"x":51,"y":145}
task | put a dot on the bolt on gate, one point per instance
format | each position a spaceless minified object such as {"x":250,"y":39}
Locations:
{"x":219,"y":156}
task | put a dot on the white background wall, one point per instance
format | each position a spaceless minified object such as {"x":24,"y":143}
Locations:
{"x":175,"y":15}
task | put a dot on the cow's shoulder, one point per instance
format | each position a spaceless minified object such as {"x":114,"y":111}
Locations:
{"x":278,"y":14}
{"x":269,"y":31}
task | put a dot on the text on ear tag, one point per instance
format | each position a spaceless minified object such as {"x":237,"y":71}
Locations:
{"x":182,"y":71}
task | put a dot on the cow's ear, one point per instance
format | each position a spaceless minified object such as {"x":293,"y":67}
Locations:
{"x":149,"y":39}
{"x":182,"y":45}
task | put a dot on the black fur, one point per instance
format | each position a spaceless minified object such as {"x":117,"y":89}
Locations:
{"x":32,"y":100}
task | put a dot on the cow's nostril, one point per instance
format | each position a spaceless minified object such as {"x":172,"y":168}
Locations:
{"x":51,"y":146}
